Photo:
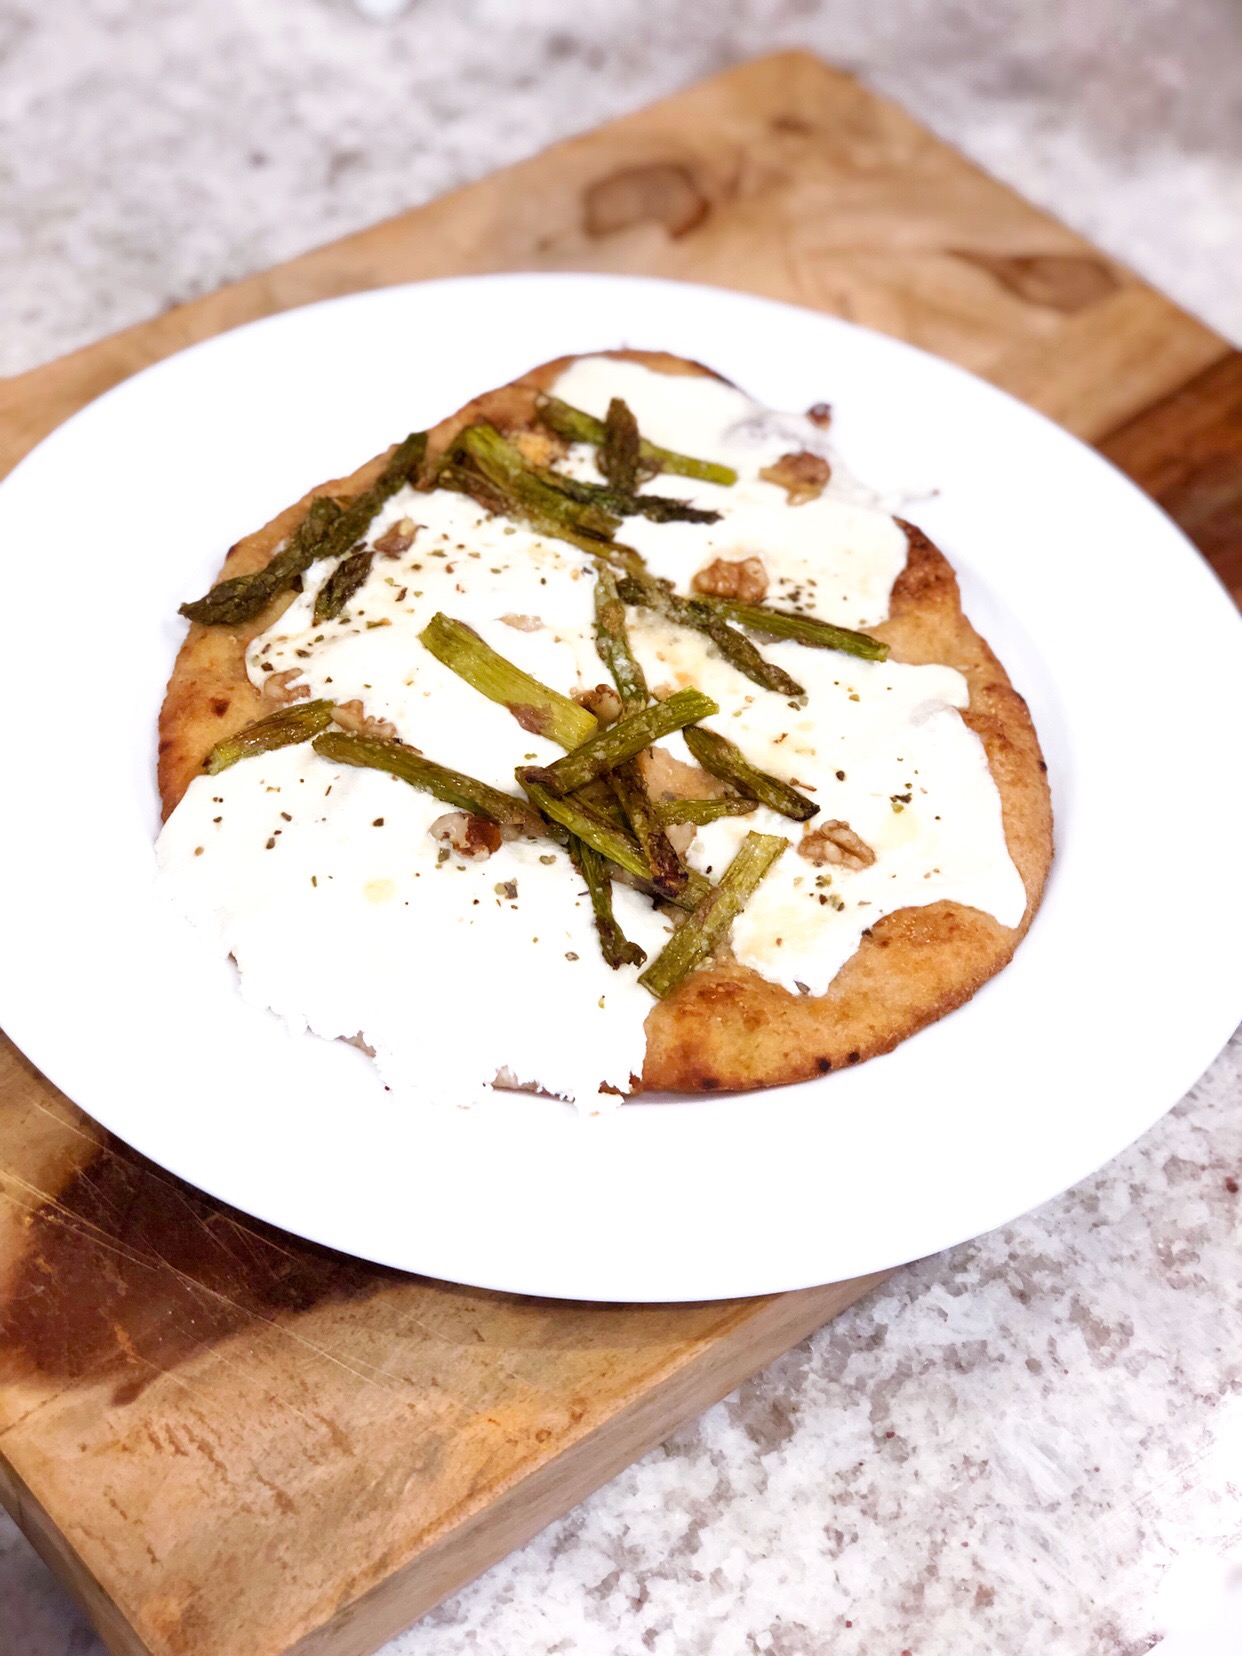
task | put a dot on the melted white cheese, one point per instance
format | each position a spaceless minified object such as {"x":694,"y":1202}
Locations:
{"x":324,"y":884}
{"x":835,"y":557}
{"x":346,"y":927}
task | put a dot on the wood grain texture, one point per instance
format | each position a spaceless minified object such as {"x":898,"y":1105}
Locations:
{"x":190,"y":1399}
{"x":1186,"y":451}
{"x":226,"y":1440}
{"x":783,"y":178}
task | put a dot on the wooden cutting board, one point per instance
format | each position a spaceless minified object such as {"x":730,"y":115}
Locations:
{"x":228,"y":1442}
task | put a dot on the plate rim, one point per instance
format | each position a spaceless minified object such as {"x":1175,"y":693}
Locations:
{"x":1193,"y":1067}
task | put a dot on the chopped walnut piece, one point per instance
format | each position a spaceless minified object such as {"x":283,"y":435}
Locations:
{"x":836,"y":843}
{"x":352,"y":716}
{"x":522,"y":623}
{"x":668,"y":778}
{"x":681,"y":836}
{"x":278,"y":687}
{"x":820,"y":414}
{"x":746,"y":580}
{"x":539,"y":448}
{"x":397,"y":538}
{"x":802,"y":476}
{"x":602,"y":700}
{"x":468,"y":836}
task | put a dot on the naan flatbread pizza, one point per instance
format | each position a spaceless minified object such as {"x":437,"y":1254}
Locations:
{"x":608,"y":737}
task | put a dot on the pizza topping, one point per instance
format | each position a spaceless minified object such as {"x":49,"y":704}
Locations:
{"x":420,"y":954}
{"x":609,"y":748}
{"x":341,"y":585}
{"x":480,"y":451}
{"x":726,"y":760}
{"x":613,"y":644}
{"x":695,"y":613}
{"x":620,"y":459}
{"x":494,"y":471}
{"x":280,"y":687}
{"x":594,"y":828}
{"x":580,"y":427}
{"x":465,"y":835}
{"x":241,"y":597}
{"x":352,"y":716}
{"x":803,"y":476}
{"x":602,"y":702}
{"x":837,"y":843}
{"x":466,"y":793}
{"x":700,"y":811}
{"x":327,"y":530}
{"x":515,"y":532}
{"x":701,"y":933}
{"x":397,"y":538}
{"x":622,"y":503}
{"x":803,"y":629}
{"x":277,"y":730}
{"x":539,"y":448}
{"x":536,"y":708}
{"x":615,"y":947}
{"x":746,"y":580}
{"x":667,"y":873}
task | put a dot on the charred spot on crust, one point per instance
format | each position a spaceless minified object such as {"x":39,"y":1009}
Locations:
{"x":823,"y":1065}
{"x":720,"y":994}
{"x":708,"y":1083}
{"x":854,"y":1058}
{"x":220,"y":706}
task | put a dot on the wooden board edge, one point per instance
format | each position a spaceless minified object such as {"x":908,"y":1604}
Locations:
{"x":40,"y":1529}
{"x":484,"y":1538}
{"x":1185,"y":451}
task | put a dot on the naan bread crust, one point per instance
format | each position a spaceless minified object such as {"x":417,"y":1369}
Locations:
{"x":726,"y":1028}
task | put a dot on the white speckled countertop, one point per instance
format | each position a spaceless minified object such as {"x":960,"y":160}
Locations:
{"x":1030,"y":1444}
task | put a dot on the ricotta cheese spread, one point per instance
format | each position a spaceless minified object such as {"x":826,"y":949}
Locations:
{"x":347,"y":917}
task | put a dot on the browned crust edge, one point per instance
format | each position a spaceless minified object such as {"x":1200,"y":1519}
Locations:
{"x":727,"y":1028}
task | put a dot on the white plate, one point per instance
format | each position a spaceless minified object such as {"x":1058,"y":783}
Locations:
{"x":1108,"y":621}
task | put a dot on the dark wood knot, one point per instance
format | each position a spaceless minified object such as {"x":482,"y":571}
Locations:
{"x":1066,"y":282}
{"x":661,"y":192}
